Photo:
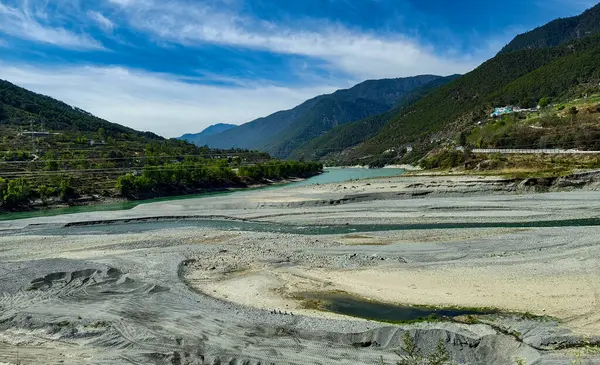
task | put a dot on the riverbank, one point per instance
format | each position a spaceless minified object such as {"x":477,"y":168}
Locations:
{"x":218,"y":278}
{"x":97,"y":200}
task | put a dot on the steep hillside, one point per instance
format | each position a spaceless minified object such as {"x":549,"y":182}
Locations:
{"x":202,"y":138}
{"x":72,"y":157}
{"x":520,"y":78}
{"x":282,"y":132}
{"x":351,"y":134}
{"x":18,"y":106}
{"x":558,"y":31}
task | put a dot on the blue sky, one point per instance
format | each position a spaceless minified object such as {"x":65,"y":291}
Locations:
{"x":177,"y":66}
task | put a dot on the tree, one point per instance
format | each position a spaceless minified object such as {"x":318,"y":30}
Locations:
{"x":544,"y":102}
{"x":414,"y":356}
{"x":573,"y":111}
{"x":52,"y":165}
{"x":66,"y":189}
{"x":462,"y":139}
{"x":126,"y":185}
{"x":3,"y":186}
{"x":17,"y":192}
{"x":45,"y":192}
{"x":3,"y":114}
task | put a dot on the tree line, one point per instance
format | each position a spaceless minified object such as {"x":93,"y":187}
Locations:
{"x":185,"y":177}
{"x":156,"y":180}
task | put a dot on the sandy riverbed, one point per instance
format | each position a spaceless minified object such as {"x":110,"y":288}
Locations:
{"x":174,"y":291}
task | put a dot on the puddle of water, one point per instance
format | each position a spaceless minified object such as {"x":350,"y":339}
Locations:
{"x":355,"y":307}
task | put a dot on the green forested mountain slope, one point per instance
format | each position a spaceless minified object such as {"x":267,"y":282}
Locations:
{"x":351,"y":134}
{"x":520,"y":77}
{"x":558,"y":31}
{"x":19,"y":106}
{"x":76,"y":158}
{"x":282,"y":132}
{"x":324,"y":116}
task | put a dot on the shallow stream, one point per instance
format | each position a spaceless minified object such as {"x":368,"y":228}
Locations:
{"x":119,"y":227}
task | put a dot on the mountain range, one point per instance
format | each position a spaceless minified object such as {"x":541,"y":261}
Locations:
{"x":363,"y":122}
{"x":520,"y":77}
{"x":282,"y":132}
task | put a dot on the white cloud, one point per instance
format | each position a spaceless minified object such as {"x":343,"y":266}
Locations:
{"x":21,"y":23}
{"x":101,"y":20}
{"x":156,"y":102}
{"x":363,"y":55}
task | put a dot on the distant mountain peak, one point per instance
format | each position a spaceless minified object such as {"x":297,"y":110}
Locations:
{"x":200,"y":138}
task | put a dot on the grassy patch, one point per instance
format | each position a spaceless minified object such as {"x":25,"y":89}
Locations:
{"x":313,"y":304}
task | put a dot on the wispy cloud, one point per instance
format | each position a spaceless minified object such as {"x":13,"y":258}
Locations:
{"x":157,"y":102}
{"x":23,"y":23}
{"x":314,"y":56}
{"x":101,"y":20}
{"x":364,"y":55}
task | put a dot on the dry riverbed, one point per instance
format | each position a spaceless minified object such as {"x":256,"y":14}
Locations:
{"x":161,"y":284}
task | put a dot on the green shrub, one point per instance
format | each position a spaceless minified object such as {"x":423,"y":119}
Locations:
{"x":414,"y":355}
{"x":445,"y":159}
{"x":544,"y":102}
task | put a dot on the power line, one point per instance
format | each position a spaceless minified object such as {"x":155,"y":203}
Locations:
{"x":83,"y":158}
{"x":116,"y":170}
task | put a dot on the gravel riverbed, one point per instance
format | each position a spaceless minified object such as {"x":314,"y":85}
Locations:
{"x":156,"y":285}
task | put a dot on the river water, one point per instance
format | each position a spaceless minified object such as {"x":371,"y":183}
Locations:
{"x":329,"y":176}
{"x":121,"y":227}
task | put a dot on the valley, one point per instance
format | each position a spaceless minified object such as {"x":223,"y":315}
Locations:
{"x":437,"y":209}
